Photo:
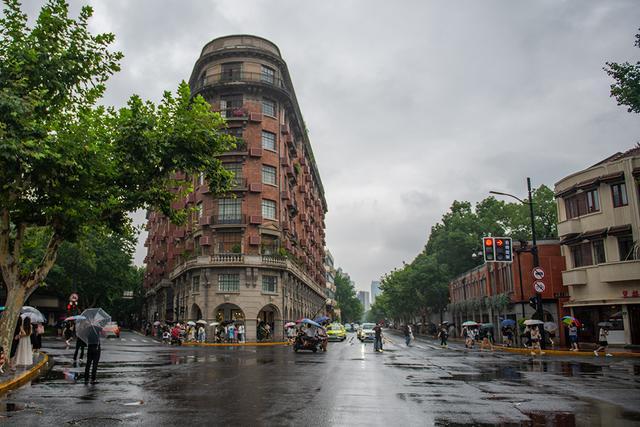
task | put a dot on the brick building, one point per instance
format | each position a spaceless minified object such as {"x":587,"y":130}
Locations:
{"x":256,"y":254}
{"x":493,"y":291}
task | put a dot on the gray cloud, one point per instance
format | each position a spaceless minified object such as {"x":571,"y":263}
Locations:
{"x":410,"y":105}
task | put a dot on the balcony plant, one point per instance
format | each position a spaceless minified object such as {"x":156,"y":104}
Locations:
{"x":236,"y":248}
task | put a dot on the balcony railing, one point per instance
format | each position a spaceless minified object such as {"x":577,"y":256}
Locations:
{"x":229,"y":219}
{"x":241,"y":77}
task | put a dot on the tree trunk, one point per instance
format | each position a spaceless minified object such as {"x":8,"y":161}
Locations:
{"x":16,"y":296}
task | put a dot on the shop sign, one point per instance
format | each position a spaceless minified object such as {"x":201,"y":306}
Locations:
{"x":630,"y":294}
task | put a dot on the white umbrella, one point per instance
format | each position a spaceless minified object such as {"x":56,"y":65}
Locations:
{"x":531,"y":322}
{"x":90,"y":328}
{"x":156,"y":323}
{"x":191,"y":323}
{"x":33,"y":314}
{"x":203,"y":322}
{"x":214,"y":323}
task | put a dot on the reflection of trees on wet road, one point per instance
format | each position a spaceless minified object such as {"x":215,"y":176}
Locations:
{"x":144,"y":382}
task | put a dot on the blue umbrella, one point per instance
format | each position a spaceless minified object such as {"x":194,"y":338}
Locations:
{"x":507,"y":322}
{"x":311,"y":322}
{"x":322,"y":319}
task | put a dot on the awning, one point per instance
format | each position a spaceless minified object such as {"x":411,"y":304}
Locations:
{"x":612,"y":177}
{"x":566,"y":192}
{"x":589,"y":183}
{"x":620,"y":230}
{"x":594,"y":234}
{"x":602,"y":302}
{"x":570,"y":238}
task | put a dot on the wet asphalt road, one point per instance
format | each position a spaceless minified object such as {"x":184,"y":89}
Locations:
{"x":142,"y":382}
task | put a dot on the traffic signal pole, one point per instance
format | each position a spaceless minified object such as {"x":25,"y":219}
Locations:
{"x":536,"y":263}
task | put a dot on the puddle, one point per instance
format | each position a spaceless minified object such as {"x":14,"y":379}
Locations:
{"x":11,"y":407}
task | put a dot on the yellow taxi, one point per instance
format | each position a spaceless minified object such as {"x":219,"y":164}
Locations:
{"x":336,"y":332}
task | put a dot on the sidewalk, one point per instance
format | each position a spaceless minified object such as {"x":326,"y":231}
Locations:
{"x":11,"y":380}
{"x":526,"y":351}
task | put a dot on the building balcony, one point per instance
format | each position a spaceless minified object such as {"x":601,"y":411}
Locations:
{"x":577,"y":276}
{"x":570,"y":226}
{"x":237,"y":77}
{"x":620,"y":272}
{"x":228,"y":219}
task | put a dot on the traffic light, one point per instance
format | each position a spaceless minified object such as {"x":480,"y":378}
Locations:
{"x":489,"y":249}
{"x":533,"y":302}
{"x":503,"y":249}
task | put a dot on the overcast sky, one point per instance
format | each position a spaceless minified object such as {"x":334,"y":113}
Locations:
{"x":410,"y":104}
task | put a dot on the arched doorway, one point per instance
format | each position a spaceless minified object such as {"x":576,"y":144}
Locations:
{"x":196,"y":313}
{"x":269,"y":315}
{"x":227,"y":314}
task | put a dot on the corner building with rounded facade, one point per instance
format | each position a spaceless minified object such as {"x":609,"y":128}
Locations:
{"x":255,"y":254}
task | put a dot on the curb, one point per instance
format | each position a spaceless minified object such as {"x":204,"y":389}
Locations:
{"x":239,"y":344}
{"x":27,"y":376}
{"x":566,"y":352}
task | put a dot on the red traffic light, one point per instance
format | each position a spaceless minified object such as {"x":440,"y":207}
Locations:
{"x":488,"y":242}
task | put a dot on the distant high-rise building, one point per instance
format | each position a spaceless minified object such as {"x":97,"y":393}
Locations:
{"x":363,"y":296}
{"x":375,"y":290}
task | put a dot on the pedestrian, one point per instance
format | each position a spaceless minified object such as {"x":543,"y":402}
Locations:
{"x":408,"y":335}
{"x":267,"y":330}
{"x":24,"y":356}
{"x":80,"y":346}
{"x":14,"y":344}
{"x":235,"y":334}
{"x":191,"y":332}
{"x":377,"y":345}
{"x":230,"y":332}
{"x":536,"y":339}
{"x":36,"y":337}
{"x":166,"y":336}
{"x":68,"y":333}
{"x":241,"y":332}
{"x":573,"y":336}
{"x":201,"y":334}
{"x":3,"y":360}
{"x":487,"y":340}
{"x":526,"y":342}
{"x":471,"y":338}
{"x":443,"y":335}
{"x":603,"y":342}
{"x":93,"y":354}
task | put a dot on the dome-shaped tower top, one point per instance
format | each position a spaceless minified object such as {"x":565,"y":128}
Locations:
{"x":240,"y":41}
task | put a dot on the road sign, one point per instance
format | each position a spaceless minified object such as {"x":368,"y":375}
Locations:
{"x":538,"y":273}
{"x":538,"y":286}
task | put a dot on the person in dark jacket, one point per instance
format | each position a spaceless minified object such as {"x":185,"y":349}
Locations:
{"x":80,"y":346}
{"x":93,"y":354}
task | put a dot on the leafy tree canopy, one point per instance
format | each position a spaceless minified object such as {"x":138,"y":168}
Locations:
{"x":626,"y":89}
{"x":350,"y":306}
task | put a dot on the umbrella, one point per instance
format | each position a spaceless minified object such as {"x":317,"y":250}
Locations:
{"x":89,"y":328}
{"x":311,"y":322}
{"x":76,"y":317}
{"x":550,"y":326}
{"x":322,"y":319}
{"x":191,"y":323}
{"x":203,"y":322}
{"x":507,"y":322}
{"x":531,"y":322}
{"x":487,"y":326}
{"x":290,"y":324}
{"x":605,"y":324}
{"x":470,"y":323}
{"x":214,"y":323}
{"x":33,"y":314}
{"x":568,"y":320}
{"x":156,"y":323}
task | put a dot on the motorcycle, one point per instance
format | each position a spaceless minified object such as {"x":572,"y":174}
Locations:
{"x":304,"y":342}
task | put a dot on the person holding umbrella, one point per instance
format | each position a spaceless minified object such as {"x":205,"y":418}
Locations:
{"x":602,"y":339}
{"x":89,"y":330}
{"x":573,"y":336}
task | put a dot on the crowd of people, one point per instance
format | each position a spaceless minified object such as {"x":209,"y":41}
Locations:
{"x":192,"y":332}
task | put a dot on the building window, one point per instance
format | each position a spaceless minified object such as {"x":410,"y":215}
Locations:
{"x":231,"y":106}
{"x":201,"y":179}
{"x":268,"y":175}
{"x":619,"y":194}
{"x":229,"y":211}
{"x":268,"y":75}
{"x":229,"y":243}
{"x":195,"y":284}
{"x":268,"y":140}
{"x":269,"y":209}
{"x":270,"y":284}
{"x":582,"y":204}
{"x":581,"y":255}
{"x":199,"y":210}
{"x":229,"y":282}
{"x":236,"y":168}
{"x":626,"y":247}
{"x":598,"y":252}
{"x":231,"y":71}
{"x":268,"y":107}
{"x":270,"y":245}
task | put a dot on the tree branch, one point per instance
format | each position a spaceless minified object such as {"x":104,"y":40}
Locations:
{"x":49,"y":258}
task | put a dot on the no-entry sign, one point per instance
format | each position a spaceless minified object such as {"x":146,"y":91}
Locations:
{"x":538,"y":286}
{"x":538,"y":273}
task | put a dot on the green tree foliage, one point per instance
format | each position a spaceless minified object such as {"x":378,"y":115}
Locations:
{"x":67,"y":163}
{"x":626,"y":88}
{"x":350,"y":306}
{"x":421,"y":287}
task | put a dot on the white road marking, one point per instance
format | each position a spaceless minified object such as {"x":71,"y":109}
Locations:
{"x":145,"y":341}
{"x":123,"y":339}
{"x":133,"y":339}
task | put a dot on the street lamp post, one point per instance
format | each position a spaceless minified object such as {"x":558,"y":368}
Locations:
{"x":534,"y":251}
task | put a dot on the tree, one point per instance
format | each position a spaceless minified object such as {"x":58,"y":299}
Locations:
{"x":350,"y":306}
{"x":67,"y":163}
{"x":626,"y":88}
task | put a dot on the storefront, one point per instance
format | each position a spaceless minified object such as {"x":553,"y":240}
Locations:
{"x":624,"y":319}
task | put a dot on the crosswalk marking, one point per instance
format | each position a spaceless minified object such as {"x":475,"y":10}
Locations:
{"x":123,"y":339}
{"x":133,"y":339}
{"x":145,"y":341}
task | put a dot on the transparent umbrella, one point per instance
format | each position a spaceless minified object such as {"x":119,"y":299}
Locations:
{"x":33,"y":314}
{"x":90,"y":328}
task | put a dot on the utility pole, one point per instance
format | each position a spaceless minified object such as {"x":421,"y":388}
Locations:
{"x":536,"y":263}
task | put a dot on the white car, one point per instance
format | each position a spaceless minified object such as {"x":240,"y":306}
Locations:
{"x":366,"y":332}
